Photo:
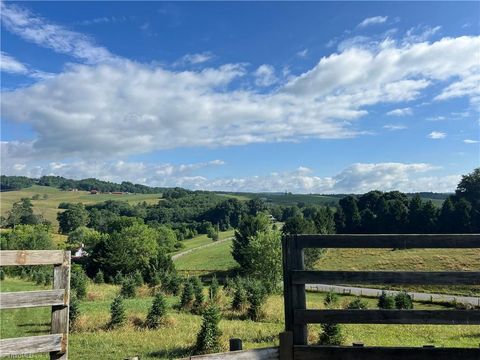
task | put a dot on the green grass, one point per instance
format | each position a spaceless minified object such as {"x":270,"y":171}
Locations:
{"x":49,"y":207}
{"x":201,"y":240}
{"x":217,"y":257}
{"x":90,"y":339}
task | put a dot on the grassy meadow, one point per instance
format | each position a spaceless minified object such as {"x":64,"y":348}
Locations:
{"x":49,"y":207}
{"x":90,"y":338}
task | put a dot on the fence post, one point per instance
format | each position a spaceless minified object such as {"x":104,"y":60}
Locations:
{"x":298,"y":292}
{"x":285,"y":351}
{"x":61,"y":280}
{"x":235,"y":344}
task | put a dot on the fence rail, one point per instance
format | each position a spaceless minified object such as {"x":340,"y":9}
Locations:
{"x":58,"y":298}
{"x":293,"y":344}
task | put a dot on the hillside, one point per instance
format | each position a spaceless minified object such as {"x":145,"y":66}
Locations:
{"x":49,"y":207}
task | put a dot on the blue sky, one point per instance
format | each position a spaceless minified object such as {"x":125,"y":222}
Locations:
{"x":315,"y":97}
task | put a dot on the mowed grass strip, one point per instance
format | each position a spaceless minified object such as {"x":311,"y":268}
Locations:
{"x":201,"y":240}
{"x":91,"y":339}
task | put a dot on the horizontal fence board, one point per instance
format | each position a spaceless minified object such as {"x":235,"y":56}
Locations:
{"x":383,"y":353}
{"x":31,"y":257}
{"x":397,"y":241}
{"x":30,"y":345}
{"x":434,"y":317}
{"x":387,"y":277}
{"x":25,"y":299}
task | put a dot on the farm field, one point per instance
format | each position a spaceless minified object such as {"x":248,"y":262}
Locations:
{"x":201,"y":240}
{"x":49,"y":207}
{"x":90,"y":339}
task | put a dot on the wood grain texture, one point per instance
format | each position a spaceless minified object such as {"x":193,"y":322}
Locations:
{"x":26,"y":299}
{"x":30,"y":345}
{"x":256,"y":354}
{"x":30,"y":257}
{"x":397,"y":241}
{"x":437,"y":317}
{"x":61,"y":280}
{"x":387,"y":277}
{"x":383,"y":353}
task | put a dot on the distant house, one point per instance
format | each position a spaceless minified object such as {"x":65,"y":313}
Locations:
{"x":79,"y":253}
{"x":93,"y":192}
{"x":117,"y":193}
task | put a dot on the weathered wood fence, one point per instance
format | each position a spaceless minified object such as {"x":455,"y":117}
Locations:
{"x":58,"y":298}
{"x":293,"y":343}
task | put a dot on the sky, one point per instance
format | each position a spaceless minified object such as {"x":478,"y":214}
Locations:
{"x":305,"y":97}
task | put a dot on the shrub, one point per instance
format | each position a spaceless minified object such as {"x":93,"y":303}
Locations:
{"x":386,"y":301}
{"x":214,"y":289}
{"x":357,"y":303}
{"x":331,"y":335}
{"x":117,"y":313}
{"x":256,"y":295}
{"x":157,"y":311}
{"x":187,"y":295}
{"x":78,"y":281}
{"x":128,"y":289}
{"x":39,"y":278}
{"x":403,"y":301}
{"x":118,"y":279}
{"x":74,"y":309}
{"x":330,"y":299}
{"x":23,"y":274}
{"x":99,"y":277}
{"x":208,"y":339}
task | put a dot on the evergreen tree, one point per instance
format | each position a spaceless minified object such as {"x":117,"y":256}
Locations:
{"x":186,"y":299}
{"x":239,"y":295}
{"x":74,"y":311}
{"x":330,"y":299}
{"x":214,"y":289}
{"x":128,"y":289}
{"x":157,"y":312}
{"x":386,"y":301}
{"x":331,"y":335}
{"x":208,"y":339}
{"x":461,"y":216}
{"x":117,"y":313}
{"x":99,"y":277}
{"x":403,"y":301}
{"x":445,"y":222}
{"x":138,"y":278}
{"x":357,"y":303}
{"x":40,"y":278}
{"x":78,"y":281}
{"x":198,"y":292}
{"x":256,"y":295}
{"x":118,"y":279}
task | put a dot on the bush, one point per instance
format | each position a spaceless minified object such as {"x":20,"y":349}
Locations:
{"x":128,"y":289}
{"x":208,"y":339}
{"x":78,"y":281}
{"x":99,"y":277}
{"x":214,"y":289}
{"x":157,"y":312}
{"x":403,"y":301}
{"x":386,"y":301}
{"x":117,"y":313}
{"x":256,"y":295}
{"x":74,"y":309}
{"x":357,"y":303}
{"x":187,"y":295}
{"x":330,"y":299}
{"x":39,"y":278}
{"x":118,"y":279}
{"x":331,"y":335}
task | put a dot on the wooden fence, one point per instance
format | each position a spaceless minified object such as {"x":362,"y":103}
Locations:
{"x":293,"y":343}
{"x":58,"y":298}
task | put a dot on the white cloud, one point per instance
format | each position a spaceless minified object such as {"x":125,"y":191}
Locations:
{"x":265,"y":76}
{"x":437,"y":135}
{"x":124,"y":107}
{"x":470,"y":141}
{"x":356,"y":178}
{"x":400,"y":112}
{"x":394,"y":127}
{"x":466,"y":86}
{"x":420,"y":34}
{"x":373,"y":21}
{"x":303,"y":53}
{"x":11,"y":65}
{"x":193,"y":59}
{"x":37,"y":30}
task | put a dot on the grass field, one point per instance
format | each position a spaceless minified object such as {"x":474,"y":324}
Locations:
{"x":49,"y":207}
{"x":201,"y":240}
{"x":217,"y":257}
{"x":90,"y":339}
